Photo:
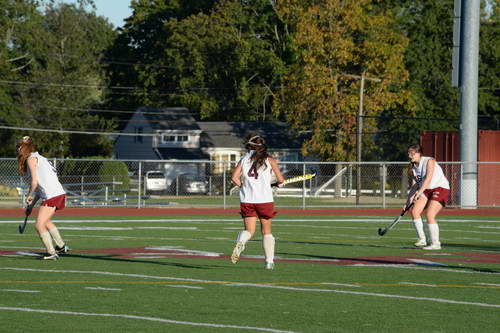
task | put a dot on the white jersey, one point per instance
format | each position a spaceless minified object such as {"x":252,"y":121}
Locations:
{"x":438,"y":177}
{"x":255,"y":183}
{"x":48,"y":183}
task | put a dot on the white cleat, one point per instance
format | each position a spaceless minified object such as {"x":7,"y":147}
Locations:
{"x":51,"y":257}
{"x":235,"y":257}
{"x":421,"y":243}
{"x":433,"y":247}
{"x":270,"y":265}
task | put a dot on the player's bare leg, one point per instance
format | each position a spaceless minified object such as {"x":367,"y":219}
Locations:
{"x":45,"y":213}
{"x":416,"y":214}
{"x":268,"y":242}
{"x":243,"y":237}
{"x":433,"y":208}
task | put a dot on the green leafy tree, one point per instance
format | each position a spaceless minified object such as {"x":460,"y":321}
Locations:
{"x":338,"y":42}
{"x":62,"y":78}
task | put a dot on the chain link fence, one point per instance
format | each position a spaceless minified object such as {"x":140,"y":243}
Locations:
{"x":132,"y":183}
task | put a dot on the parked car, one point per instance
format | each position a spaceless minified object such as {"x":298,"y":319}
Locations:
{"x":155,"y":181}
{"x":189,"y":184}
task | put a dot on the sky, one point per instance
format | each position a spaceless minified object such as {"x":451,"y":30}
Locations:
{"x":115,"y":10}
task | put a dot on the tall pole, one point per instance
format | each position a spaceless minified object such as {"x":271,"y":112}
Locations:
{"x":359,"y":136}
{"x":469,"y":55}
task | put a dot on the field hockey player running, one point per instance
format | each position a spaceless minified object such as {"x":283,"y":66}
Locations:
{"x":432,"y":195}
{"x":42,"y":177}
{"x":253,"y":176}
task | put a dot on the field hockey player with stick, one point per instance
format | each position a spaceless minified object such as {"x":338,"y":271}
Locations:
{"x":44,"y":184}
{"x":253,"y":175}
{"x":432,"y":194}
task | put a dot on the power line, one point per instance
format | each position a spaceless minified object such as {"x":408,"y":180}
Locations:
{"x":71,"y":131}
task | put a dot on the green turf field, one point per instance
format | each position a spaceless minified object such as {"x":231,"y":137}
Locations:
{"x":173,"y":274}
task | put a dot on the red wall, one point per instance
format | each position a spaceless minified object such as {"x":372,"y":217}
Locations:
{"x":445,"y":146}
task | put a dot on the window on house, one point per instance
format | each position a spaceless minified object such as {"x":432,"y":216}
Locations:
{"x":182,"y":138}
{"x":168,"y":138}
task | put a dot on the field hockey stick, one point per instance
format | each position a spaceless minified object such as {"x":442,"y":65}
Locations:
{"x":27,"y":213}
{"x":295,"y":179}
{"x":382,"y":232}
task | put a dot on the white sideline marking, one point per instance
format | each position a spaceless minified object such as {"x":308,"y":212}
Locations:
{"x":341,"y":284}
{"x":183,"y":286}
{"x":427,"y":299}
{"x":161,"y":320}
{"x":101,"y":288}
{"x":426,"y":262}
{"x":21,"y":290}
{"x":167,"y":228}
{"x":489,"y":284}
{"x":95,"y":228}
{"x":423,"y":268}
{"x":418,"y":284}
{"x":228,"y":283}
{"x":184,"y":251}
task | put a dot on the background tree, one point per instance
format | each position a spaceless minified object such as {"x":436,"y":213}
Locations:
{"x":62,"y":79}
{"x":336,"y":42}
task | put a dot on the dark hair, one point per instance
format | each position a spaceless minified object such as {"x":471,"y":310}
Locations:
{"x":24,"y":148}
{"x":258,"y":144}
{"x":417,"y":149}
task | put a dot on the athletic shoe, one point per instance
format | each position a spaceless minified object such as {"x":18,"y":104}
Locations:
{"x":270,"y":265}
{"x":62,"y":250}
{"x":51,"y":257}
{"x":433,"y":247}
{"x":235,"y":257}
{"x":421,"y":243}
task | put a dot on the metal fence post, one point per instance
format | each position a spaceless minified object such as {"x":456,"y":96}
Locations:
{"x":384,"y":181}
{"x":139,"y":175}
{"x":303,"y":187}
{"x":224,"y":183}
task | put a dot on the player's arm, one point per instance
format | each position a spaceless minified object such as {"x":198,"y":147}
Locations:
{"x":32,"y":163}
{"x":276,"y":170}
{"x":428,"y":177}
{"x":236,"y":176}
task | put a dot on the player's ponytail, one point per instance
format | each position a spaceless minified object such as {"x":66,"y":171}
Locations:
{"x":257,"y":144}
{"x":24,"y":148}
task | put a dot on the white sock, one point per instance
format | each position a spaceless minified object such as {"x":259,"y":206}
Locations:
{"x":419,"y":228}
{"x":244,"y":236}
{"x":434,"y":233}
{"x":268,"y":244}
{"x":47,"y":241}
{"x":56,"y":236}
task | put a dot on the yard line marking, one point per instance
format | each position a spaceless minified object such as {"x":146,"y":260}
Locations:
{"x":101,"y":288}
{"x":418,"y":284}
{"x":95,"y":228}
{"x":349,"y":292}
{"x":167,"y":228}
{"x":228,"y":283}
{"x":341,"y":284}
{"x":155,"y":319}
{"x":423,"y":268}
{"x":489,"y":284}
{"x":183,"y":286}
{"x":21,"y":290}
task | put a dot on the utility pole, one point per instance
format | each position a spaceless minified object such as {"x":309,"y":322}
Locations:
{"x":467,"y":16}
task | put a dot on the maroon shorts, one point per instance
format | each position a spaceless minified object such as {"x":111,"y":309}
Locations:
{"x":59,"y":202}
{"x":438,"y":194}
{"x":260,"y":210}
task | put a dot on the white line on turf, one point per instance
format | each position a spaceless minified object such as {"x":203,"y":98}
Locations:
{"x":183,"y":286}
{"x":405,"y":266}
{"x":125,"y":316}
{"x":418,"y":284}
{"x":101,"y":288}
{"x":21,"y":291}
{"x":341,"y":284}
{"x":427,"y":299}
{"x":489,"y":284}
{"x":228,"y":283}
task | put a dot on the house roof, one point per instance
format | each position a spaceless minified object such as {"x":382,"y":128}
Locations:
{"x":169,"y":118}
{"x":224,"y":134}
{"x":182,"y":154}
